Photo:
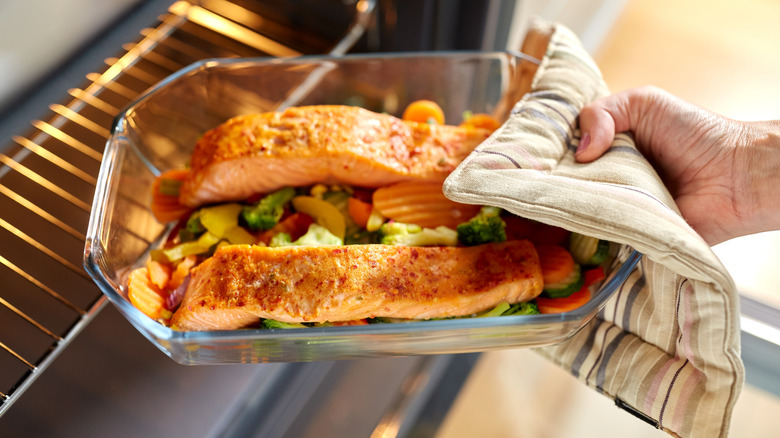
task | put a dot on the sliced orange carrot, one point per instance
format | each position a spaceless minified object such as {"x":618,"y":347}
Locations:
{"x":560,"y":305}
{"x":181,"y":271}
{"x":144,"y":295}
{"x":352,"y":322}
{"x":421,"y":203}
{"x":481,"y":121}
{"x":556,"y":263}
{"x":165,"y":196}
{"x":359,"y":210}
{"x":575,"y":300}
{"x":159,"y":273}
{"x":424,"y":111}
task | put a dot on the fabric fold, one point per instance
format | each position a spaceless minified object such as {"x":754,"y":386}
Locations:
{"x":667,"y":343}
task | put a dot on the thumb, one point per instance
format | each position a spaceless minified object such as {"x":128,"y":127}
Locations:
{"x":597,"y":127}
{"x":601,"y":119}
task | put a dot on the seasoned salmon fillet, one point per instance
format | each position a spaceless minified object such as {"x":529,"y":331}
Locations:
{"x":326,"y":144}
{"x":241,"y":284}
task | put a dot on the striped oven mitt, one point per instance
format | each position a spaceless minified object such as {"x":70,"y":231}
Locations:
{"x":666,"y":346}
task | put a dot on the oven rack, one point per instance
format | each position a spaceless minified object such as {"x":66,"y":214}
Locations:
{"x":48,"y":176}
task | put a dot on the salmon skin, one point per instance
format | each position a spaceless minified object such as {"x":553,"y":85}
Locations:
{"x":259,"y":153}
{"x":241,"y":284}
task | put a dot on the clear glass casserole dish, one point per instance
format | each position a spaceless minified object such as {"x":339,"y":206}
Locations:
{"x":158,"y":131}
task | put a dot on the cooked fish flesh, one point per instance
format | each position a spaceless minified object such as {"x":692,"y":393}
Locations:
{"x":241,"y":284}
{"x":328,"y":144}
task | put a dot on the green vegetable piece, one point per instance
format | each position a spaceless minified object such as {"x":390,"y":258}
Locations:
{"x":280,"y":239}
{"x":524,"y":308}
{"x":194,"y":225}
{"x":186,"y":235}
{"x":268,"y":210}
{"x":339,"y":199}
{"x":398,"y":233}
{"x":274,"y":324}
{"x":496,"y":311}
{"x":504,"y":309}
{"x":587,"y":250}
{"x":572,"y":283}
{"x":169,"y":186}
{"x":182,"y":250}
{"x":317,"y":235}
{"x":486,"y":227}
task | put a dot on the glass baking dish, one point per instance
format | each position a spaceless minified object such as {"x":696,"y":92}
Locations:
{"x":158,"y":131}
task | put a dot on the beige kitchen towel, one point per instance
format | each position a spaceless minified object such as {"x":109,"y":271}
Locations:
{"x":667,"y":344}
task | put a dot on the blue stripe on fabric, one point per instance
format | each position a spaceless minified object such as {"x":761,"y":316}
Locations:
{"x":511,"y":160}
{"x":601,"y":374}
{"x":540,"y":115}
{"x":576,"y":364}
{"x":565,"y":119}
{"x":549,"y":95}
{"x":636,"y":288}
{"x":602,"y":353}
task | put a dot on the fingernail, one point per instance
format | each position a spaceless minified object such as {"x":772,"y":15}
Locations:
{"x":584,"y":143}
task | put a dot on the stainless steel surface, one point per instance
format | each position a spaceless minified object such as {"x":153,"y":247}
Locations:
{"x":47,"y":177}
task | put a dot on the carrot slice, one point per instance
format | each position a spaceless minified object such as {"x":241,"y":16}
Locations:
{"x":359,"y":210}
{"x":159,"y":273}
{"x":348,"y":323}
{"x":421,"y":203}
{"x":144,"y":295}
{"x":424,"y":111}
{"x":181,"y":271}
{"x":556,"y":263}
{"x":575,"y":300}
{"x":165,"y":196}
{"x":560,"y":305}
{"x":481,"y":121}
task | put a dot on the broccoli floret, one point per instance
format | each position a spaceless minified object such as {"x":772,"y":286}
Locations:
{"x":486,"y":227}
{"x":268,"y":210}
{"x":504,"y":309}
{"x":398,"y":233}
{"x":274,"y":324}
{"x":194,"y":225}
{"x":525,"y":308}
{"x":316,"y":235}
{"x":281,"y":239}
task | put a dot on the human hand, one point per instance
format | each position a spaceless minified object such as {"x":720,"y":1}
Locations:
{"x":722,"y":173}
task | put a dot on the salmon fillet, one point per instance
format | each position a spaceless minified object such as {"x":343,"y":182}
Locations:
{"x":326,"y":144}
{"x":241,"y":284}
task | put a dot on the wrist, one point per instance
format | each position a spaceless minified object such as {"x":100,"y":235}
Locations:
{"x":758,"y":169}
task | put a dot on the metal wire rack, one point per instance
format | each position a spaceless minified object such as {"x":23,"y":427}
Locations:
{"x":47,"y":177}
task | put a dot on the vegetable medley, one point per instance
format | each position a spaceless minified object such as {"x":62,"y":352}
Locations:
{"x":407,"y":213}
